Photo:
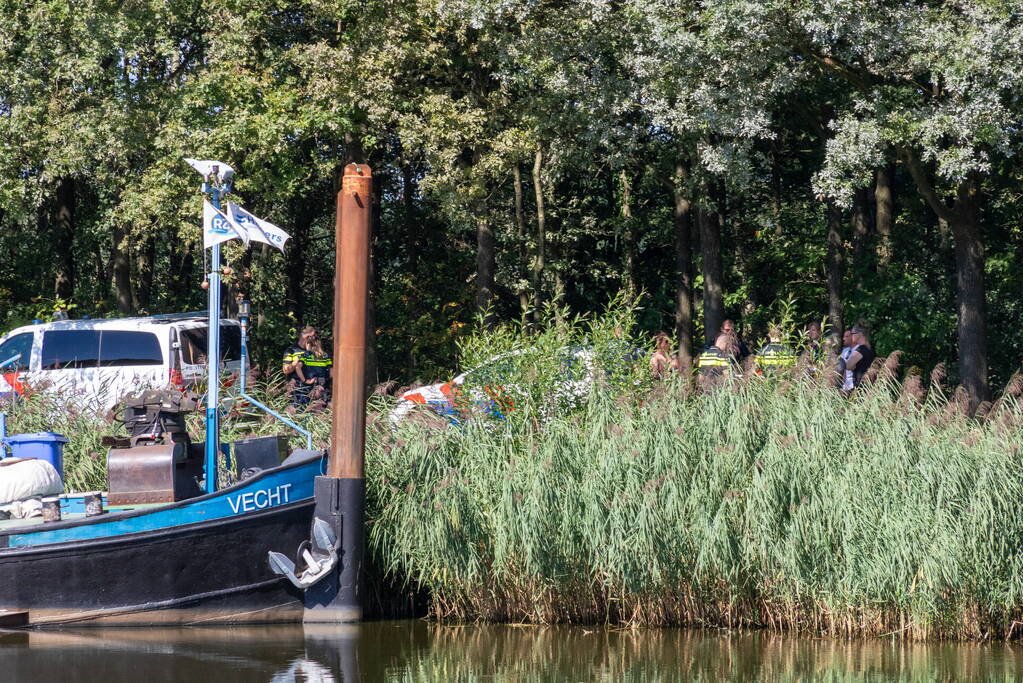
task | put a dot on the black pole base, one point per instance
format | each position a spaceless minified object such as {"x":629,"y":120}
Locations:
{"x":337,"y":599}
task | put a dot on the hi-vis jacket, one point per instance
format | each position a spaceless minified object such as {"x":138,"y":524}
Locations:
{"x":714,"y":362}
{"x":313,"y":367}
{"x":775,"y":355}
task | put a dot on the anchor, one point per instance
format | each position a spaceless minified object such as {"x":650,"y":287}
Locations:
{"x":319,"y":554}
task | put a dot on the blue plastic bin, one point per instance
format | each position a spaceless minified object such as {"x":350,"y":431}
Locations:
{"x":46,"y":446}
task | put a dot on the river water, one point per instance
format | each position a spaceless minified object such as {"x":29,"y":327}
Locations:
{"x":410,"y":651}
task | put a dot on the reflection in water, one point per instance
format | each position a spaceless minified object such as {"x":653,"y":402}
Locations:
{"x":412,"y":651}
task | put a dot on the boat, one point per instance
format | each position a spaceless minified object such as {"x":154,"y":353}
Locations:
{"x":200,"y":560}
{"x":284,"y":544}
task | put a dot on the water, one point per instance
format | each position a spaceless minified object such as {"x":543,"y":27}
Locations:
{"x":411,"y":651}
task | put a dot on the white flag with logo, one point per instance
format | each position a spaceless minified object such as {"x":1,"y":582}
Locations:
{"x":216,"y":227}
{"x":257,"y":229}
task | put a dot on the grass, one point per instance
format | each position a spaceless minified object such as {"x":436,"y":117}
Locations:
{"x":769,"y":502}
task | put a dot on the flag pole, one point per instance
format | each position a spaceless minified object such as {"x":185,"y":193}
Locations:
{"x":213,"y":350}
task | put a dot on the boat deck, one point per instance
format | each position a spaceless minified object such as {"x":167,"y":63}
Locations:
{"x":72,"y":508}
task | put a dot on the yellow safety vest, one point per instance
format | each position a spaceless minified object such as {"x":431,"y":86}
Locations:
{"x":775,"y":356}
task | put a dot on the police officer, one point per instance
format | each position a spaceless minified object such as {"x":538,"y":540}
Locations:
{"x":774,"y":354}
{"x":307,"y":367}
{"x":718,"y":360}
{"x":742,"y":351}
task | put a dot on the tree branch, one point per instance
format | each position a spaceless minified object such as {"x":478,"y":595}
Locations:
{"x":923,"y":182}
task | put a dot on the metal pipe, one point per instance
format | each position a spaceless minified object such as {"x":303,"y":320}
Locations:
{"x":213,"y":359}
{"x":341,"y":494}
{"x":243,"y":319}
{"x":351,"y":280}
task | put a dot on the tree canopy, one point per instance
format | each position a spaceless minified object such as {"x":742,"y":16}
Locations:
{"x":731,"y":158}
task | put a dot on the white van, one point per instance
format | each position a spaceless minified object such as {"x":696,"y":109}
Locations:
{"x":97,"y":362}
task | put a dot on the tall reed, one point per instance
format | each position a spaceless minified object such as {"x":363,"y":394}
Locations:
{"x":768,"y":502}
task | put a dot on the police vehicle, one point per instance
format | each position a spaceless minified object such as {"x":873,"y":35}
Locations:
{"x":95,"y":363}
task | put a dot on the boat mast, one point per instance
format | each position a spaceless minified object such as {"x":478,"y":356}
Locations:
{"x":215,"y":186}
{"x":340,"y":494}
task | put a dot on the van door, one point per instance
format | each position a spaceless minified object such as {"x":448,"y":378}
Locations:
{"x":193,"y":343}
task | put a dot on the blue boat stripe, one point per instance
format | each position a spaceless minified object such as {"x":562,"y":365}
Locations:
{"x":270,"y":489}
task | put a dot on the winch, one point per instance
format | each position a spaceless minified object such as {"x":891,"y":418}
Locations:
{"x":159,"y":464}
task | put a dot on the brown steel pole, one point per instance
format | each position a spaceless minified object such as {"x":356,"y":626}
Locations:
{"x":341,"y":493}
{"x":351,"y":246}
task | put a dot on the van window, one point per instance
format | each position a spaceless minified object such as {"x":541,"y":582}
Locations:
{"x":18,"y":345}
{"x":99,"y":348}
{"x":195,"y":342}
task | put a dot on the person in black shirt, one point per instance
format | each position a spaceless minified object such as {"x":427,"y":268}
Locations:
{"x":307,"y":367}
{"x":862,"y":354}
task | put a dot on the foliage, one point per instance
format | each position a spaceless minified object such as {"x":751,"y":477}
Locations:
{"x":770,"y":106}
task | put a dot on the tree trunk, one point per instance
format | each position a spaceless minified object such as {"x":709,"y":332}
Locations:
{"x":684,"y":304}
{"x":100,"y":270}
{"x":970,"y":293}
{"x":834,"y":267}
{"x":412,"y":231}
{"x":776,"y":199}
{"x":64,"y":240}
{"x":183,"y":282}
{"x":485,"y":268}
{"x":142,"y":293}
{"x":520,"y":234}
{"x":963,"y":218}
{"x":122,"y":271}
{"x":295,"y":298}
{"x":713,"y":273}
{"x":541,"y":233}
{"x":861,"y":231}
{"x":884,"y":213}
{"x":628,"y":236}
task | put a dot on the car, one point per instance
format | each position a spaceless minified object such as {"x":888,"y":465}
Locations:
{"x":496,"y":385}
{"x":97,"y":362}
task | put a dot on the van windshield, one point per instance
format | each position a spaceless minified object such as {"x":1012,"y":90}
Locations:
{"x":15,"y":352}
{"x":195,"y":342}
{"x":99,"y":348}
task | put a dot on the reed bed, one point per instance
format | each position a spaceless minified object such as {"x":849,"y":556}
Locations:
{"x":776,"y":504}
{"x":770,"y":502}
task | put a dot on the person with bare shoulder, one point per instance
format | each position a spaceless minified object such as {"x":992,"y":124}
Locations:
{"x":662,"y":360}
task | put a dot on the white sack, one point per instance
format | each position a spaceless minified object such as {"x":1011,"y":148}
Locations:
{"x":28,"y":478}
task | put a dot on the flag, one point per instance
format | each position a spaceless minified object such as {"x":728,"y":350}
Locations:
{"x":205,"y":168}
{"x":257,"y":229}
{"x":216,"y":227}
